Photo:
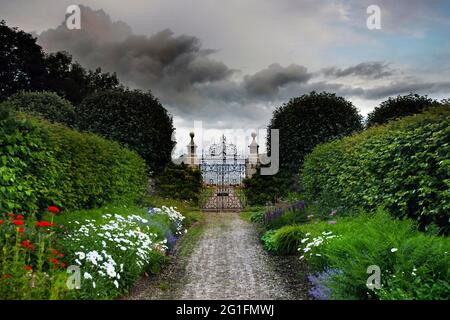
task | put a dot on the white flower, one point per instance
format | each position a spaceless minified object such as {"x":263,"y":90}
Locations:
{"x":87,"y":276}
{"x":93,"y":284}
{"x":302,"y":257}
{"x":110,"y":271}
{"x":81,"y":255}
{"x":116,"y":283}
{"x":394,"y":249}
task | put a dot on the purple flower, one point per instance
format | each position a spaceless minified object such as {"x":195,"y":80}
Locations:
{"x":333,"y":213}
{"x":299,"y":205}
{"x":171,"y":240}
{"x":320,"y":291}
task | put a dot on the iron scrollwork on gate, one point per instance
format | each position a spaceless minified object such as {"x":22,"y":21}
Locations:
{"x":223,"y":171}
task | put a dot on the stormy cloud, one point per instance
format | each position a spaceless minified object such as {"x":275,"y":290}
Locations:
{"x":368,"y":70}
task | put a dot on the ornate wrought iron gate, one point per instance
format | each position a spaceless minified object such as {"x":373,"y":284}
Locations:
{"x":223,"y":172}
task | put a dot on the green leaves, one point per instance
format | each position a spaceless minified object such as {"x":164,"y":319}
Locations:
{"x":52,"y":164}
{"x":402,"y":166}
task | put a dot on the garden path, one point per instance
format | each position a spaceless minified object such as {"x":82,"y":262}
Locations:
{"x":230,"y":263}
{"x":227,"y":261}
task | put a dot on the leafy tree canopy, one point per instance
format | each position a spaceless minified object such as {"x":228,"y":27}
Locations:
{"x":309,"y":120}
{"x":132,"y":117}
{"x":397,"y":107}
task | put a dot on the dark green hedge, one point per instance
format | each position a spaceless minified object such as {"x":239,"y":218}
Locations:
{"x":180,"y":182}
{"x":403,"y":166}
{"x":44,"y":163}
{"x":45,"y":105}
{"x":260,"y":190}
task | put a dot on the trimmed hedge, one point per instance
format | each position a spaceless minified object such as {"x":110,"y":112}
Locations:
{"x":46,"y":105}
{"x":403,"y":166}
{"x":180,"y":182}
{"x":44,"y":163}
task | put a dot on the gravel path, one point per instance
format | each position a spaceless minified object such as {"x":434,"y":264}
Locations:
{"x":230,"y":263}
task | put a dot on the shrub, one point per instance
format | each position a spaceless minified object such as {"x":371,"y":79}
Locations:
{"x":260,"y":190}
{"x":398,"y":107}
{"x":113,"y":249}
{"x":285,"y":215}
{"x":180,"y":182}
{"x":44,"y":163}
{"x":402,"y":166}
{"x":31,"y":262}
{"x":286,"y":240}
{"x":413,"y":265}
{"x":47,"y":105}
{"x":134,"y":118}
{"x":306,"y":121}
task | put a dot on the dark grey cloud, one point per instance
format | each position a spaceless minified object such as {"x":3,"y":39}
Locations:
{"x":267,"y":82}
{"x":367,"y":70}
{"x":169,"y":65}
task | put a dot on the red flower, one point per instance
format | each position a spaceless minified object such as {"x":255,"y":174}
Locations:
{"x":44,"y":224}
{"x":2,"y":222}
{"x":25,"y":243}
{"x":20,"y":217}
{"x":18,"y":222}
{"x":10,"y":214}
{"x":61,"y":255}
{"x":21,"y":230}
{"x":54,"y":260}
{"x":63,"y":264}
{"x":55,"y":252}
{"x":28,"y":268}
{"x":53,"y":209}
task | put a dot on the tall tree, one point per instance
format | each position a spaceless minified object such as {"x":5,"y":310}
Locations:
{"x":135,"y":118}
{"x":22,"y":61}
{"x":70,"y":80}
{"x":398,"y":107}
{"x":309,"y":120}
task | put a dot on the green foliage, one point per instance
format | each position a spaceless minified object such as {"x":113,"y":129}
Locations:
{"x":26,"y":67}
{"x":284,"y":240}
{"x":260,"y":190}
{"x":133,"y":118}
{"x":73,"y":82}
{"x":115,"y":245}
{"x":413,"y":265}
{"x":269,"y":241}
{"x":22,"y":61}
{"x":27,"y":268}
{"x":180,"y":182}
{"x":306,"y":121}
{"x":398,"y":107}
{"x":46,"y":105}
{"x":45,"y":164}
{"x":402,"y":166}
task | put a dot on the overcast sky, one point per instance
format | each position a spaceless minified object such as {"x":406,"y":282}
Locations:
{"x":230,"y":63}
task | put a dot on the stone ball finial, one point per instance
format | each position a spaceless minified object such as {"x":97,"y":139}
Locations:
{"x":253,"y":135}
{"x":192,"y":134}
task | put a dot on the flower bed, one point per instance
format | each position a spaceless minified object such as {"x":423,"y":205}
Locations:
{"x":413,"y":265}
{"x":108,"y":252}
